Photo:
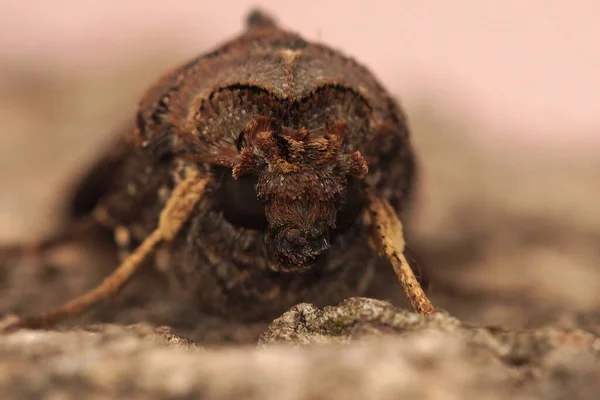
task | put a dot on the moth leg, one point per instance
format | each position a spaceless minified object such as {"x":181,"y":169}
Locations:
{"x":184,"y":198}
{"x":387,"y":238}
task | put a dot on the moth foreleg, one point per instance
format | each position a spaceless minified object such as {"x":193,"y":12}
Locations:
{"x":182,"y":202}
{"x":388,"y":239}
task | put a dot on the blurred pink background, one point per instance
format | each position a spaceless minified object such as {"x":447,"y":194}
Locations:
{"x":513,"y":68}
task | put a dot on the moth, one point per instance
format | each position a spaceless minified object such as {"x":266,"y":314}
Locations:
{"x":263,"y":173}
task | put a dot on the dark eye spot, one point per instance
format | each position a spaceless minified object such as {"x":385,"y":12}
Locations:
{"x":351,"y":205}
{"x":239,"y":203}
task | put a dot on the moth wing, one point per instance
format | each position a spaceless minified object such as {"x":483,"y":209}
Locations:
{"x":101,"y":177}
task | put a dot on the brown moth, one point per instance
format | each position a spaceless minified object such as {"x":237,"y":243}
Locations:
{"x":266,"y":172}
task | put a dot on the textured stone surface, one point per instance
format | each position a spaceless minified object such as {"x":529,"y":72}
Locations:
{"x":360,"y":349}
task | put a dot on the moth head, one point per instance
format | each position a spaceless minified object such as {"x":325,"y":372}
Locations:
{"x":307,"y":185}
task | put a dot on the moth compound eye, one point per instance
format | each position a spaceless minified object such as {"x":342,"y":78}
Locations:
{"x":239,"y":203}
{"x":350,"y":207}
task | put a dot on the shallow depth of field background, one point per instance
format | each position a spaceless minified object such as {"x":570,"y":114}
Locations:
{"x":503,"y":99}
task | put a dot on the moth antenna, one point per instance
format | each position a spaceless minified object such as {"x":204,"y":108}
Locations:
{"x":176,"y":212}
{"x":388,"y":240}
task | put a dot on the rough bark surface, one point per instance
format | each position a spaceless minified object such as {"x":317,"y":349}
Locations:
{"x":361,"y":349}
